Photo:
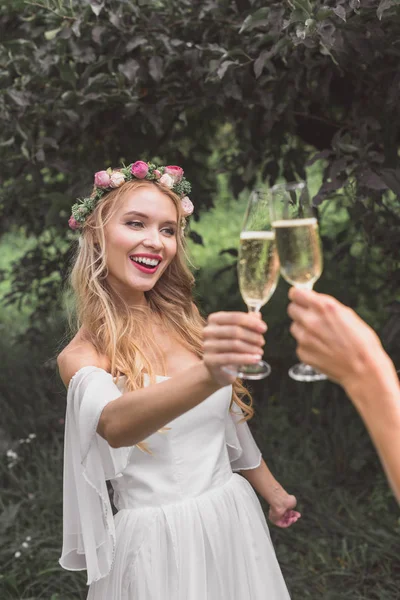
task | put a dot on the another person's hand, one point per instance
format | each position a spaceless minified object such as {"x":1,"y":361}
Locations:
{"x":283,"y":514}
{"x":331,"y":337}
{"x":232,"y":339}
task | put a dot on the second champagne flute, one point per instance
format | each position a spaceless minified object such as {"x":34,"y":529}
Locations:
{"x":258,"y":267}
{"x":299,"y":248}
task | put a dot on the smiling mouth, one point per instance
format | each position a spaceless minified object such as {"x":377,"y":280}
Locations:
{"x":146,"y":265}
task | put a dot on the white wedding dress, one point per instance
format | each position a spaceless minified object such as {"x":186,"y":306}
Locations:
{"x":188,"y":527}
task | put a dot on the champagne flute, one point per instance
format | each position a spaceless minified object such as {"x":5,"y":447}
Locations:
{"x":258,"y":268}
{"x":299,"y":248}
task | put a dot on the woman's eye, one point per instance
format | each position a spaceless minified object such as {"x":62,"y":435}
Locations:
{"x":135,"y":224}
{"x":169,"y":230}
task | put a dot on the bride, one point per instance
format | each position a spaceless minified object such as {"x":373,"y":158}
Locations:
{"x":150,"y":409}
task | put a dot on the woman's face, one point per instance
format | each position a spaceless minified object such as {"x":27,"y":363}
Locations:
{"x":141,"y":241}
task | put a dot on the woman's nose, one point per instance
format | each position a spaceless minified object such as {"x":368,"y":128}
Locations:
{"x":152,"y":240}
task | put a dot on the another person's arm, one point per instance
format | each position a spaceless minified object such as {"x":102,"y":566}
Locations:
{"x":332,"y":338}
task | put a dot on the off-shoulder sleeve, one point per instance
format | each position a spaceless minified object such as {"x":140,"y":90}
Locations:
{"x":88,"y":523}
{"x":243,"y":451}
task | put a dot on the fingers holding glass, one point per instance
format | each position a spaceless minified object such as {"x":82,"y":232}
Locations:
{"x":233,"y":338}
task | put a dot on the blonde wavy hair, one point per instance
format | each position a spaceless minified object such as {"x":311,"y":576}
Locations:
{"x":119,"y":331}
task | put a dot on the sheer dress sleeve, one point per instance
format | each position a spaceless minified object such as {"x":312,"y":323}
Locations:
{"x":243,"y":451}
{"x":88,"y":524}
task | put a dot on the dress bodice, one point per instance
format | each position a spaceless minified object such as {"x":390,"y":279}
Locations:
{"x":187,"y":459}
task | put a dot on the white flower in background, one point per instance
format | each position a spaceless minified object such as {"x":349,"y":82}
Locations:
{"x":28,"y":538}
{"x":17,"y":554}
{"x":11,"y":454}
{"x":32,"y":436}
{"x":25,"y":545}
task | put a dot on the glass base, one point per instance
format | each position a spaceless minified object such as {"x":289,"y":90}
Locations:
{"x":303,"y":372}
{"x":259,"y":370}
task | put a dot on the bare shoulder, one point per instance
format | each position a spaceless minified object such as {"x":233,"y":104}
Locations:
{"x":79,"y":353}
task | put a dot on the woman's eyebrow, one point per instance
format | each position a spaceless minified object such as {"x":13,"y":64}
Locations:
{"x":144,"y":216}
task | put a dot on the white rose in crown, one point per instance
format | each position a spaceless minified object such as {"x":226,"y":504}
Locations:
{"x":116,"y":179}
{"x":167,"y":180}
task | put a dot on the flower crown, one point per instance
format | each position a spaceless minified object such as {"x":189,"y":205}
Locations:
{"x":105,"y":181}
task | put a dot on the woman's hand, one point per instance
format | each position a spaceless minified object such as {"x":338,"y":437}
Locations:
{"x":232,"y":338}
{"x":331,"y":336}
{"x":282,"y":514}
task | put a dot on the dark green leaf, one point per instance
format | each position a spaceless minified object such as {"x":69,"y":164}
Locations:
{"x":222,"y":69}
{"x":231,"y":251}
{"x":196,"y":238}
{"x":340,"y":11}
{"x":97,"y":6}
{"x":391,"y":177}
{"x":50,"y":35}
{"x":257,"y":19}
{"x":385,"y":5}
{"x":156,"y":68}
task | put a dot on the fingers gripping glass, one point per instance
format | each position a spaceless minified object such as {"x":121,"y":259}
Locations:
{"x":299,"y":248}
{"x":258,"y":269}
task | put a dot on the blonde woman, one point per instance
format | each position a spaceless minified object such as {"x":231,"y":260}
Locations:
{"x":150,"y":409}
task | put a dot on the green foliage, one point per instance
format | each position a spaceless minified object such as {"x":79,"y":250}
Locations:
{"x":262,"y":82}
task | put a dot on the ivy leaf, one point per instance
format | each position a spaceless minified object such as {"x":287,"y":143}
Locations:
{"x":130,"y":69}
{"x":392,"y":179}
{"x":96,"y":6}
{"x":156,"y":68}
{"x":260,"y":17}
{"x":373,"y":181}
{"x":385,"y":5}
{"x":260,"y":63}
{"x":303,"y":5}
{"x":50,"y":35}
{"x":340,"y":11}
{"x":19,"y":98}
{"x":222,"y":69}
{"x":8,"y":142}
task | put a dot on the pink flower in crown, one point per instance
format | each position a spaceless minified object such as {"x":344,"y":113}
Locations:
{"x":156,"y":173}
{"x":140,"y":169}
{"x":102,"y":179}
{"x":116,"y":179}
{"x":175,"y":172}
{"x":187,"y":206}
{"x":167,"y":180}
{"x":73,"y":223}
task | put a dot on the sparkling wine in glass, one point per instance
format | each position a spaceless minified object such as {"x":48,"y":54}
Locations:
{"x":258,"y":267}
{"x":299,"y":248}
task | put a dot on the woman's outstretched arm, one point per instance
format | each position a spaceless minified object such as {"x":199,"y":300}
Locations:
{"x":333,"y":338}
{"x":230,"y":338}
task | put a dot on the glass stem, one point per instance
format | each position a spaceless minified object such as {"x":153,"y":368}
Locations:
{"x":305,"y":286}
{"x":254,"y":309}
